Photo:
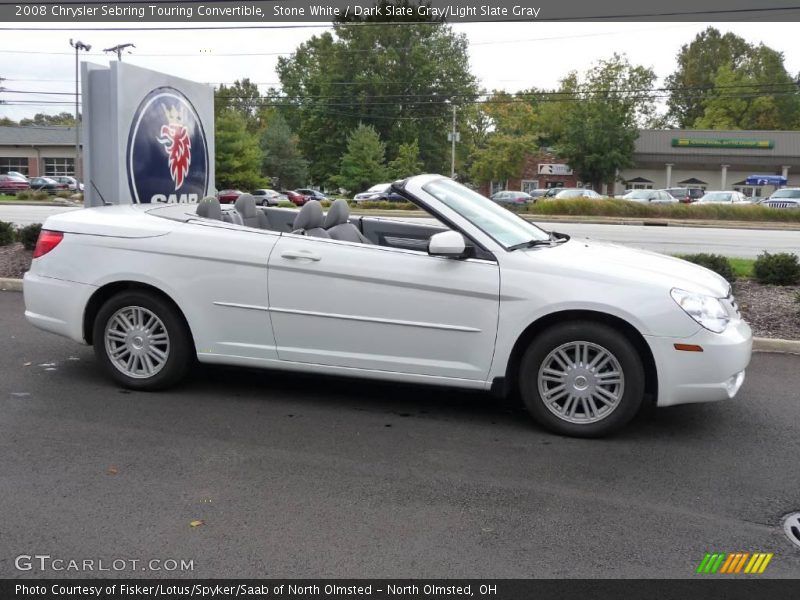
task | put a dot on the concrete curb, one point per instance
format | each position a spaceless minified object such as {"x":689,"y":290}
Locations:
{"x":59,"y":202}
{"x":10,"y":285}
{"x":759,"y":344}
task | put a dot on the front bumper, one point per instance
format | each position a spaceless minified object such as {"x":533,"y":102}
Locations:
{"x":56,"y":305}
{"x":714,"y":374}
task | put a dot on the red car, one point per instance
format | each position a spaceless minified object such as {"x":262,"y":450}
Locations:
{"x":228,"y":196}
{"x":12,"y":185}
{"x":296,"y":197}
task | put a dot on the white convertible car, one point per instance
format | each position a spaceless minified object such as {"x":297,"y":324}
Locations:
{"x":586,"y":332}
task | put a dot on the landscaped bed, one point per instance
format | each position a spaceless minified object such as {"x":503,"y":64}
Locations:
{"x":772,"y":311}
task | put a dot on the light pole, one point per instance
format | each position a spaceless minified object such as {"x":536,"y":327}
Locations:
{"x":453,"y":137}
{"x":118,"y":50}
{"x":78,"y":45}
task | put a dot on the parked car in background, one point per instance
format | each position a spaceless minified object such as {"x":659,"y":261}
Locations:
{"x":17,"y":175}
{"x":228,"y":196}
{"x":686,"y":195}
{"x":571,"y":194}
{"x":296,"y":197}
{"x":45,"y":184}
{"x":512,"y":198}
{"x":73,"y":185}
{"x":266,"y":197}
{"x":724,"y":197}
{"x":381,"y":192}
{"x":784,"y":198}
{"x":312,"y":194}
{"x":12,"y":185}
{"x":650,"y":196}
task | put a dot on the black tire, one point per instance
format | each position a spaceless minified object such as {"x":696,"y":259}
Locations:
{"x":181,"y":352}
{"x":600,"y":337}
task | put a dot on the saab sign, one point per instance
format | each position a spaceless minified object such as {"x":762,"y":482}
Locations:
{"x":148,"y":137}
{"x":554,"y":169}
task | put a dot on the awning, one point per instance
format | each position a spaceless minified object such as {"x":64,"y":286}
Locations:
{"x":638,"y":180}
{"x":766,"y":180}
{"x":692,"y":181}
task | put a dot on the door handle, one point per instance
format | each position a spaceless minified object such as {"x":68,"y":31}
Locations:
{"x":302,"y":254}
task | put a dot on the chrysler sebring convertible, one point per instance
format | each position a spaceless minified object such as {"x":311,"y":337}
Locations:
{"x":586,"y":333}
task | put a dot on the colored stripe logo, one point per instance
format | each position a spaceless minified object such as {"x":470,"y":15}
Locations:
{"x":731,"y":563}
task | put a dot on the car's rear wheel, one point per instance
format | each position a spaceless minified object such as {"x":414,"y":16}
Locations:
{"x":582,"y":379}
{"x":142,"y":341}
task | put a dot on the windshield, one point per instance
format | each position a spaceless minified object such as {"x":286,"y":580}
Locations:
{"x":503,"y":226}
{"x":716,"y":197}
{"x":786,"y":194}
{"x":381,"y":187}
{"x":643,"y":195}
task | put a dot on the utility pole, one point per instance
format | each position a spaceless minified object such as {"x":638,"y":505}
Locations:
{"x":78,"y":45}
{"x":453,"y":138}
{"x":118,"y":50}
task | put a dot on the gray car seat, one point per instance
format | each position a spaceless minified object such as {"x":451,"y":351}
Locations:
{"x":339,"y":227}
{"x":251,"y":216}
{"x":209,"y":208}
{"x":232,"y":216}
{"x":310,"y":220}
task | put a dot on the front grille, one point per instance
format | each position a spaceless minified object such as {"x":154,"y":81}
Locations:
{"x":779,"y":204}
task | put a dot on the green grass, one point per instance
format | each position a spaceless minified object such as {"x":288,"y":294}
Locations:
{"x":624,"y":208}
{"x":742,"y":267}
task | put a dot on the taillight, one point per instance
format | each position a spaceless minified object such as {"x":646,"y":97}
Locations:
{"x":46,"y":242}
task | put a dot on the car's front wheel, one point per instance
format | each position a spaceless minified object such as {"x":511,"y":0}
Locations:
{"x":142,"y":341}
{"x":583,"y":379}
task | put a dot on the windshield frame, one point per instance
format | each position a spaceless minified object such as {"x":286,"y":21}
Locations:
{"x":488,"y":208}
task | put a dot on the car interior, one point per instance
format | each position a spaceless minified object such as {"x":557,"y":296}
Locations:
{"x":336,"y":224}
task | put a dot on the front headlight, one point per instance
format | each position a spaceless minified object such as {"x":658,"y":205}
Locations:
{"x":706,"y":310}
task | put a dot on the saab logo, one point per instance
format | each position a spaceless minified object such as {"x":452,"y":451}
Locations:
{"x":167,"y":150}
{"x":734,"y":562}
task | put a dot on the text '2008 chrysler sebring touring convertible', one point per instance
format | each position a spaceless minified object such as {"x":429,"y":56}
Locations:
{"x":585,"y":332}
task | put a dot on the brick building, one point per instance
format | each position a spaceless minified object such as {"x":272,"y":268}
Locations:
{"x":35,"y":151}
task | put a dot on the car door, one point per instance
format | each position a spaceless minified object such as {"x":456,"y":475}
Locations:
{"x":383,"y":309}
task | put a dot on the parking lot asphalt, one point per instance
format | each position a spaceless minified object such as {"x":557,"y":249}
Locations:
{"x":299,"y":476}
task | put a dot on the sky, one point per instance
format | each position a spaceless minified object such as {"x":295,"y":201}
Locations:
{"x":510,"y":56}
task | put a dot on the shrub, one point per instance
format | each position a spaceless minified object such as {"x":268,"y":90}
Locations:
{"x":24,"y":195}
{"x":28,"y":235}
{"x":286,"y":204}
{"x":6,"y":233}
{"x":64,"y":194}
{"x":40,"y":195}
{"x":777,"y":269}
{"x":716,"y":262}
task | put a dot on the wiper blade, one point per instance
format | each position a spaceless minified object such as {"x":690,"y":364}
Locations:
{"x":533,"y":243}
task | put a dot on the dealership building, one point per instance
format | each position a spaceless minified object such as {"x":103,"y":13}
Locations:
{"x":664,"y":158}
{"x":33,"y":151}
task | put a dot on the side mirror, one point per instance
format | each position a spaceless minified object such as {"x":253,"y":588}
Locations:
{"x":447,"y":243}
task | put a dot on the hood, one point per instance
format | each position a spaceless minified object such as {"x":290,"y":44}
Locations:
{"x":603,"y":260}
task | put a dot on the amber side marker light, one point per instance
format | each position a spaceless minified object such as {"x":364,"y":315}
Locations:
{"x":46,"y":242}
{"x":688,"y":347}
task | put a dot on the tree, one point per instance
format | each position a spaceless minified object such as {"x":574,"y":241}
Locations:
{"x":603,"y":123}
{"x":363,"y":165}
{"x":242,"y":97}
{"x":63,"y":119}
{"x":699,"y":63}
{"x":758,"y":94}
{"x":396,"y":79}
{"x":407,"y":162}
{"x":282,"y":157}
{"x":514,"y":136}
{"x":238,"y":157}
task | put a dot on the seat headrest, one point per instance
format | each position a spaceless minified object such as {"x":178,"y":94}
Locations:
{"x":310,"y":216}
{"x":245,"y":205}
{"x":209,"y":208}
{"x":338,"y":213}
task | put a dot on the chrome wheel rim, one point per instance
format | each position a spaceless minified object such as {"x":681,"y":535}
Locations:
{"x":581,"y":382}
{"x":137,"y":342}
